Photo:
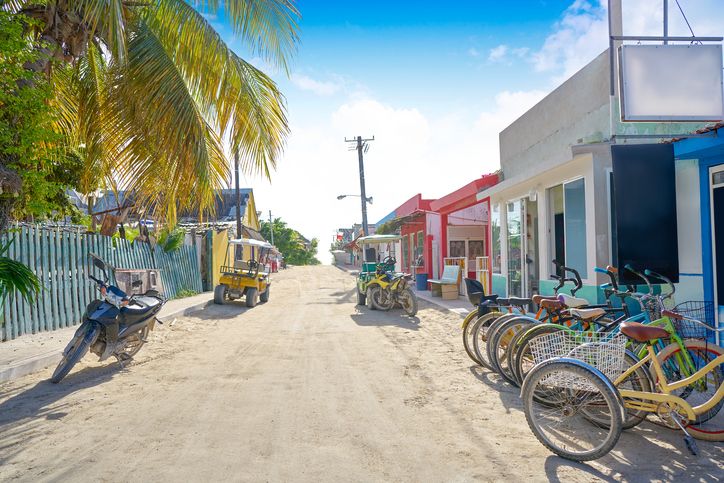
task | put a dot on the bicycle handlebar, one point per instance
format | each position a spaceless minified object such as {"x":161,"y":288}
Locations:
{"x":640,"y":275}
{"x":651,"y":273}
{"x":610,"y":274}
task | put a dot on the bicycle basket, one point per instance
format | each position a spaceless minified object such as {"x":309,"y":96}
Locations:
{"x":699,"y":310}
{"x":605,"y":352}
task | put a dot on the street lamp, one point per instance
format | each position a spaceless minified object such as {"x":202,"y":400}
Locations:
{"x":368,"y":199}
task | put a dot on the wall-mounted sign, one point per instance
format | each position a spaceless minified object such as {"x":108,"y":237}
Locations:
{"x":671,"y":83}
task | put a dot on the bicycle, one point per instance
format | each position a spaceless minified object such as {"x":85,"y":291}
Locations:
{"x":577,"y":379}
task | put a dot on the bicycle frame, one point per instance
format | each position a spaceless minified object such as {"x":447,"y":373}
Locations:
{"x":637,"y":399}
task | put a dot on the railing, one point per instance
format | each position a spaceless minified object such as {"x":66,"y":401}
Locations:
{"x":59,"y":257}
{"x":482,"y":272}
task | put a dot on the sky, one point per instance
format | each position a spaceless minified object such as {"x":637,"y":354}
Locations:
{"x":434,"y":83}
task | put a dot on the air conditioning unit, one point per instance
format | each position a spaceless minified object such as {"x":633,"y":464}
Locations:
{"x":128,"y":280}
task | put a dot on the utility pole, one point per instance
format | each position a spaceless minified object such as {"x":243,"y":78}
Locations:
{"x":362,"y":146}
{"x":238,"y":196}
{"x":271,"y":227}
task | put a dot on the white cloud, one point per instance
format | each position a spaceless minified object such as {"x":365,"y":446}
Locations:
{"x":582,"y":32}
{"x":505,"y":54}
{"x":320,"y":88}
{"x":498,"y":53}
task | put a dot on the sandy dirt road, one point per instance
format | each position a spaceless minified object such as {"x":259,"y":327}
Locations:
{"x":307,"y":387}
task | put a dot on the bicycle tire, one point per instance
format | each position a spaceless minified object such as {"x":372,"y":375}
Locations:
{"x":502,"y":344}
{"x":712,"y":351}
{"x":571,"y":400}
{"x":480,"y":334}
{"x":468,"y":326}
{"x":491,"y":333}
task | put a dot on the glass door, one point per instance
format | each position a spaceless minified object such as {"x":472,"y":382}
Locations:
{"x":515,"y":266}
{"x":530,"y":239}
{"x":716,"y":176}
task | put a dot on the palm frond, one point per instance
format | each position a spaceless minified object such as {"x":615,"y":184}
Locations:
{"x":242,"y":102}
{"x":15,"y":276}
{"x":170,"y":153}
{"x":269,"y":27}
{"x":107,"y":20}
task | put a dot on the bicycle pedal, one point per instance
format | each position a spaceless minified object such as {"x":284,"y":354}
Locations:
{"x":691,"y":445}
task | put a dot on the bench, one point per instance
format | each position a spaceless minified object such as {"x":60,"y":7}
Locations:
{"x":447,"y":285}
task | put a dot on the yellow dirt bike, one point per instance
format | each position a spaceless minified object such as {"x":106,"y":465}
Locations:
{"x":387,"y":289}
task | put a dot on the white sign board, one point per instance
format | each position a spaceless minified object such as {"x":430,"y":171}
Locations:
{"x":671,"y":83}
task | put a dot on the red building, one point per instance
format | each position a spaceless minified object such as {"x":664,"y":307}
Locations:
{"x":418,"y":226}
{"x":464,"y":225}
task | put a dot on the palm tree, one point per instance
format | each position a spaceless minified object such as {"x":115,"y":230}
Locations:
{"x":149,"y":89}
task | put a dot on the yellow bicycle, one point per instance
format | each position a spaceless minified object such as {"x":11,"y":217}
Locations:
{"x":575,"y":401}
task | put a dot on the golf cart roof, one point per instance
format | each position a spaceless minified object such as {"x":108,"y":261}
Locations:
{"x":250,"y":242}
{"x":371,"y":239}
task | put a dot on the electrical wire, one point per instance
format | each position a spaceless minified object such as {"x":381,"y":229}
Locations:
{"x":685,"y":19}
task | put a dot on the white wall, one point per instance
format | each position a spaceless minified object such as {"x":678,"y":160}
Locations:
{"x":688,"y":220}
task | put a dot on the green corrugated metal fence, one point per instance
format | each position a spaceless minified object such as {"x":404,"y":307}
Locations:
{"x":59,"y":258}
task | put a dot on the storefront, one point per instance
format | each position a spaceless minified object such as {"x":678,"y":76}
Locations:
{"x":700,"y":166}
{"x":465,"y":233}
{"x":420,"y":231}
{"x":551,"y":215}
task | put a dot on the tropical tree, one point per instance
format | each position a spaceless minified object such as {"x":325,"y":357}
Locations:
{"x":147,"y":89}
{"x":291,"y":243}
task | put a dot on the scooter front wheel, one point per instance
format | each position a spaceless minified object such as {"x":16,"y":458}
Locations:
{"x":75,"y":351}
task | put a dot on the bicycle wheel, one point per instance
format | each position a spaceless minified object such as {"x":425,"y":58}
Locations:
{"x":524,"y":358}
{"x":702,"y":390}
{"x":480,"y":336}
{"x":503,"y":344}
{"x":561,"y":424}
{"x":490,"y":352}
{"x":468,"y":325}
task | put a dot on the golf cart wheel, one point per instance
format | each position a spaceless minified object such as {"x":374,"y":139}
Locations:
{"x":220,"y":294}
{"x":264,"y":297}
{"x":361,"y":298}
{"x":252,"y":295}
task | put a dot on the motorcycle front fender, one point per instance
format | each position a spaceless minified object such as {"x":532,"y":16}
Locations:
{"x":89,"y":330}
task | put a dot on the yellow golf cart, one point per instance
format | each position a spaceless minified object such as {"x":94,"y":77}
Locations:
{"x":244,"y":278}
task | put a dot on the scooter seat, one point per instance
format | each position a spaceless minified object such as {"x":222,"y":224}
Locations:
{"x":140,"y":305}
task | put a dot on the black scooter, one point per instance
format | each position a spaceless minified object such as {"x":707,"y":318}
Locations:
{"x":115,"y":325}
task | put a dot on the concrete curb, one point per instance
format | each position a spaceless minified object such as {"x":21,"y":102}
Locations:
{"x":32,"y":364}
{"x":38,"y":362}
{"x":186,"y":310}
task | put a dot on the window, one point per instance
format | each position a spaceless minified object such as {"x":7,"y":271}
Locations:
{"x":514,"y":248}
{"x":420,"y":245}
{"x":567,"y":209}
{"x":457,"y":248}
{"x":495,"y":236}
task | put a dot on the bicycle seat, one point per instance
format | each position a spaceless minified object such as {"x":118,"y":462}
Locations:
{"x":587,"y":314}
{"x":518,"y":302}
{"x":572,"y":301}
{"x":550,"y":304}
{"x":538,"y":298}
{"x":642,"y":333}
